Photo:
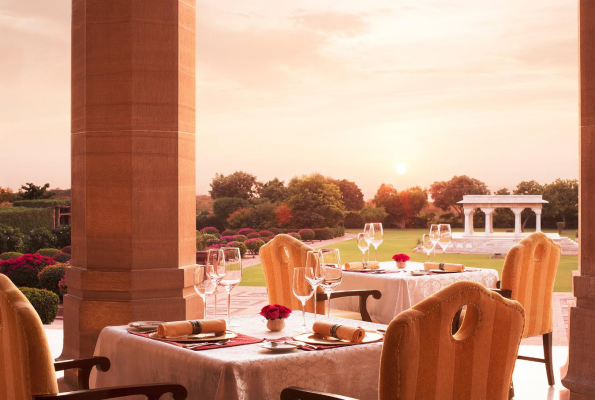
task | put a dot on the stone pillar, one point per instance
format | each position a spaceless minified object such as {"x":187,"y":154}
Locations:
{"x":537,"y":219}
{"x":471,"y":216}
{"x":468,"y":220}
{"x":580,"y":378}
{"x":133,"y":167}
{"x":488,"y":220}
{"x":517,"y":221}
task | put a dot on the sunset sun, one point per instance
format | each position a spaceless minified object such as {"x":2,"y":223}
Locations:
{"x":401,"y":168}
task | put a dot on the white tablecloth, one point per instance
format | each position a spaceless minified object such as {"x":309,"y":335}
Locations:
{"x":242,"y":372}
{"x":402,"y":290}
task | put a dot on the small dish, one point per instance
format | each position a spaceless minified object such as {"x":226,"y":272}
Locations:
{"x":278,"y":347}
{"x":441,"y":271}
{"x":143,"y":326}
{"x":419,"y":273}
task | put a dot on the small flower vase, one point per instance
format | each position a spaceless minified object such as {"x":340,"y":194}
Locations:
{"x":401,"y":264}
{"x":275,"y":325}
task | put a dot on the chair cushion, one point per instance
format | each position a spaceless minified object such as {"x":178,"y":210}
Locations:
{"x":349,"y":315}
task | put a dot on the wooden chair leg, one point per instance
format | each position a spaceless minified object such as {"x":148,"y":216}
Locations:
{"x":547,"y":351}
{"x":511,"y":391}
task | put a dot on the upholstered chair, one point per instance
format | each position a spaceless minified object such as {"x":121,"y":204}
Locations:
{"x":422,"y":359}
{"x":528,"y":277}
{"x":27,"y":370}
{"x":284,"y":253}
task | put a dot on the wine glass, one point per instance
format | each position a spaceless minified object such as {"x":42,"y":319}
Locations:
{"x":445,"y":239}
{"x":435,"y":236}
{"x":302,"y":289}
{"x":427,"y":244}
{"x":377,"y":238}
{"x":369,"y":235}
{"x":314,"y":271}
{"x":331,"y":263}
{"x":233,"y":275}
{"x":215,"y":269}
{"x":203,"y":285}
{"x":363,"y":245}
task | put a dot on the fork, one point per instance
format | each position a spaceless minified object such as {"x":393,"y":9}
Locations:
{"x":219,"y":343}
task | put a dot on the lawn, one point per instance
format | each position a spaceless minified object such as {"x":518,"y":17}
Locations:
{"x":404,"y":240}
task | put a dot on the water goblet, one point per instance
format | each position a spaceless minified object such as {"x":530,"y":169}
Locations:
{"x":377,"y":238}
{"x":445,"y":239}
{"x":215,"y":269}
{"x":363,"y":245}
{"x":427,"y":244}
{"x":314,"y":272}
{"x":331,"y":263}
{"x":302,"y":289}
{"x":435,"y":236}
{"x":233,"y":275}
{"x":369,"y":236}
{"x":203,"y":285}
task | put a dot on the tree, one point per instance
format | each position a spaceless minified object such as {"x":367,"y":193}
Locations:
{"x":6,"y":194}
{"x":562,"y":195}
{"x":351,"y":194}
{"x":503,"y":217}
{"x":446,"y":194}
{"x":373,"y":214}
{"x":528,"y":188}
{"x":273,"y":190}
{"x":388,"y":198}
{"x":33,"y":192}
{"x":261,"y":216}
{"x":414,"y":200}
{"x":314,"y":202}
{"x":239,"y":184}
{"x":224,"y":206}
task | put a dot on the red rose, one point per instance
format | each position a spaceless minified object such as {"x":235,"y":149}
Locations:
{"x":284,"y":311}
{"x":275,"y":311}
{"x":401,"y":257}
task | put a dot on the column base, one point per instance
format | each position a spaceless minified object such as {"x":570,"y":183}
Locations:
{"x":580,"y":378}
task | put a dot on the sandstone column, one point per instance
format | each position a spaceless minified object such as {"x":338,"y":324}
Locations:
{"x":580,"y":378}
{"x":133,"y":167}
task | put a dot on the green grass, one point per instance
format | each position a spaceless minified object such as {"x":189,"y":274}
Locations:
{"x":404,"y":240}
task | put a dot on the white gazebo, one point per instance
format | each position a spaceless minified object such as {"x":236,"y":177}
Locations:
{"x":488,"y":203}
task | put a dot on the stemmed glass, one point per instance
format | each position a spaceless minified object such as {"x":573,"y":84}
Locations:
{"x":215,"y":269}
{"x":233,"y":275}
{"x":369,"y":236}
{"x":377,"y":238}
{"x":435,"y":237}
{"x":302,"y":289}
{"x":363,"y":245}
{"x":314,"y":271}
{"x":203,"y":285}
{"x":331,"y":263}
{"x":445,"y":239}
{"x":427,"y":244}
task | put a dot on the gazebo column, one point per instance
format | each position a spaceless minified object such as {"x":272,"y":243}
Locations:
{"x":580,"y":378}
{"x":133,"y":167}
{"x":488,"y":220}
{"x":517,"y":220}
{"x":468,"y":221}
{"x":537,"y":219}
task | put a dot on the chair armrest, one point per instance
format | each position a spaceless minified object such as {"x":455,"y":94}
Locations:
{"x":503,"y":292}
{"x":84,"y":365}
{"x":363,"y":297}
{"x":153,"y":392}
{"x":297,"y":393}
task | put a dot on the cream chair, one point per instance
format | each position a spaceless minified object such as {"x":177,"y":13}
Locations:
{"x":284,"y":253}
{"x":422,"y":359}
{"x":27,"y":370}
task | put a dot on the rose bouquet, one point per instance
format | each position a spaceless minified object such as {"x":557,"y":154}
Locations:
{"x":401,"y":257}
{"x":275,"y":311}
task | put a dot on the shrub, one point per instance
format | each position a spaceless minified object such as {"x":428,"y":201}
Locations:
{"x":211,"y":230}
{"x":239,"y":245}
{"x":11,"y":239}
{"x":354,"y":220}
{"x":246,"y":231}
{"x":41,"y":203}
{"x":341,"y":231}
{"x":225,"y":239}
{"x":253,"y":235}
{"x":44,"y":302}
{"x":210,"y":239}
{"x":67,"y":250}
{"x":229,"y":232}
{"x":295,"y":235}
{"x":204,"y":219}
{"x":62,"y":257}
{"x":50,"y":277}
{"x":323,"y":233}
{"x":23,"y":270}
{"x":241,"y":238}
{"x":277,"y":231}
{"x":48,"y":252}
{"x":62,"y":233}
{"x":260,"y":216}
{"x":39,"y":238}
{"x":62,"y":286}
{"x":224,"y":206}
{"x":373,"y":214}
{"x":265,"y":233}
{"x":201,"y":243}
{"x":266,"y":239}
{"x":26,"y":219}
{"x":307,"y":234}
{"x":10,"y":254}
{"x":560,"y":226}
{"x":335,"y":231}
{"x":253,"y":245}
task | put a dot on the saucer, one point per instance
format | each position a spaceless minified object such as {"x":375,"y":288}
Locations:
{"x":278,"y":347}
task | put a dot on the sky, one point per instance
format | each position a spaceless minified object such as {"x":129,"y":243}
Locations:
{"x":348,"y":89}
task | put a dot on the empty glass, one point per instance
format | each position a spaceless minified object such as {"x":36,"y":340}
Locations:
{"x":215,"y":270}
{"x":233,"y":275}
{"x":363,"y":245}
{"x":435,"y":236}
{"x":302,"y":289}
{"x":203,"y":285}
{"x":369,"y":236}
{"x":445,"y":239}
{"x":314,"y":271}
{"x":377,"y":237}
{"x":331,"y":263}
{"x":427,"y":244}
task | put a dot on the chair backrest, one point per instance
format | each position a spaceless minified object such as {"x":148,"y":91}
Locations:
{"x":529,"y":272}
{"x":422,"y":359}
{"x":279,"y":257}
{"x":26,"y":365}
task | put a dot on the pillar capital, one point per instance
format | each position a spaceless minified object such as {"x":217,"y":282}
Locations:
{"x":468,"y":211}
{"x":517,"y":210}
{"x":487,"y":210}
{"x":537,"y":211}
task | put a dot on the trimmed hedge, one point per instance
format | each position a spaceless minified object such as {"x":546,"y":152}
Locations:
{"x":23,"y":271}
{"x":41,"y":203}
{"x":239,"y":245}
{"x":323,"y":233}
{"x":265,"y":233}
{"x":50,"y":277}
{"x":62,"y":233}
{"x":11,"y":239}
{"x":241,"y":238}
{"x":211,"y":230}
{"x":254,"y":245}
{"x":62,"y":257}
{"x":295,"y":235}
{"x":27,"y":219}
{"x":10,"y":254}
{"x":39,"y":238}
{"x":44,"y":302}
{"x":307,"y":234}
{"x":253,"y":235}
{"x":67,"y":250}
{"x":246,"y":231}
{"x":229,"y":232}
{"x":48,"y":252}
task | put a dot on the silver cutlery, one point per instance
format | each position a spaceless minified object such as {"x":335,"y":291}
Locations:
{"x":194,"y":345}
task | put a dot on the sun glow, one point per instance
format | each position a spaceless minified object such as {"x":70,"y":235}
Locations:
{"x":401,"y":168}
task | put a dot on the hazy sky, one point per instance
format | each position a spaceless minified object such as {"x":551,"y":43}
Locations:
{"x":345,"y":88}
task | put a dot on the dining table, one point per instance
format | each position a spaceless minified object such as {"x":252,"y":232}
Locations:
{"x":402,"y":290}
{"x":244,"y":371}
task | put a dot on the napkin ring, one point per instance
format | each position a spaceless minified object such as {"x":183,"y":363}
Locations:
{"x":441,"y":266}
{"x":196,"y":327}
{"x":334,"y":329}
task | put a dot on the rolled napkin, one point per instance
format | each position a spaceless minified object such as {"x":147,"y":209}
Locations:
{"x":181,"y":328}
{"x":326,"y":329}
{"x":359,"y":265}
{"x":445,"y":266}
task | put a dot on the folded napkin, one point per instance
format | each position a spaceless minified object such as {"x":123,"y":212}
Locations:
{"x":359,"y":265}
{"x":445,"y":266}
{"x":181,"y":328}
{"x":354,"y":335}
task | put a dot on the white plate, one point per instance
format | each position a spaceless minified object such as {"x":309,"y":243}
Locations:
{"x":143,"y":326}
{"x":419,"y":273}
{"x":278,"y":347}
